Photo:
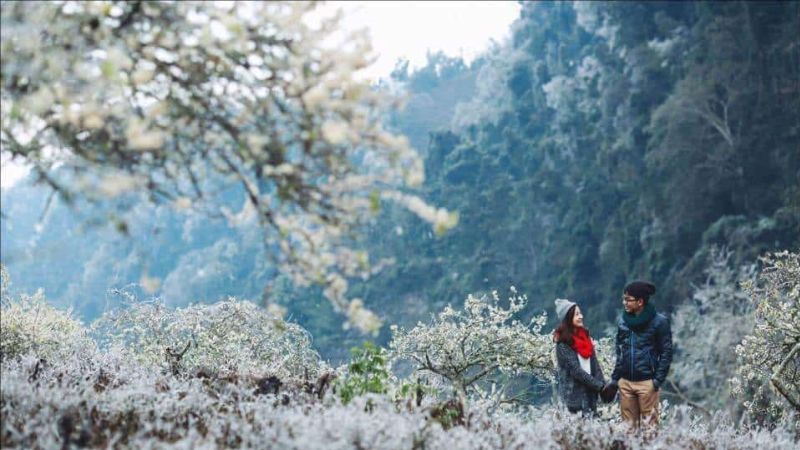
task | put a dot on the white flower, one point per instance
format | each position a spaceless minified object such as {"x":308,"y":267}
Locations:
{"x":334,"y":132}
{"x":415,"y":175}
{"x":156,"y":110}
{"x":182,"y":203}
{"x":112,"y":185}
{"x":141,"y":138}
{"x":119,"y":58}
{"x":445,"y":221}
{"x":362,"y":318}
{"x":315,"y":96}
{"x":210,"y":88}
{"x":93,"y":121}
{"x":256,"y":142}
{"x":142,"y":76}
{"x":462,"y":346}
{"x":40,"y":101}
{"x":392,"y":141}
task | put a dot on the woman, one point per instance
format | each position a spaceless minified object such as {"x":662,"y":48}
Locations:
{"x":580,"y":378}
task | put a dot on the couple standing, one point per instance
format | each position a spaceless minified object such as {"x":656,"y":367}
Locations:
{"x":643,"y":355}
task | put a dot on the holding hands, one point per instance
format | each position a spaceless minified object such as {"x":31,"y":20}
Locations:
{"x":608,"y":392}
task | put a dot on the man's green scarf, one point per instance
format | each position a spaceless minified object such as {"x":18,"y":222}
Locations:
{"x":639,"y":321}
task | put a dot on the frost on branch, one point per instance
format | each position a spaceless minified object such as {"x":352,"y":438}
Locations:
{"x":230,"y":336}
{"x":186,"y":100}
{"x":467,"y":348}
{"x":768,"y":376}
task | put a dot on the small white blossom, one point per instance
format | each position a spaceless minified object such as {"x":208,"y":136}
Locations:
{"x":142,"y":76}
{"x":182,"y":203}
{"x":141,"y":138}
{"x":316,"y":96}
{"x":334,"y":132}
{"x":362,"y":318}
{"x":113,"y":185}
{"x":40,"y":101}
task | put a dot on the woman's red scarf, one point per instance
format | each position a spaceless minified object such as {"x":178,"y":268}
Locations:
{"x":582,"y":343}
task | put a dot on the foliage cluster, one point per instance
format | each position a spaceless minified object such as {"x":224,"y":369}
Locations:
{"x":768,"y":370}
{"x":367,"y":373}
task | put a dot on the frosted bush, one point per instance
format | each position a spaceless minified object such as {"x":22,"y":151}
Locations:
{"x":768,"y":377}
{"x":477,"y":345}
{"x":717,"y":316}
{"x":28,"y":324}
{"x":110,"y":402}
{"x":232,"y":336}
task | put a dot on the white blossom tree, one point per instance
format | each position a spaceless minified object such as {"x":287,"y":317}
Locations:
{"x":768,"y":377}
{"x":182,"y":100}
{"x":231,"y":336}
{"x":465,"y":348}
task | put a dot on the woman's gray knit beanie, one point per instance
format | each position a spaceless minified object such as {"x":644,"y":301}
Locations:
{"x":562,"y":307}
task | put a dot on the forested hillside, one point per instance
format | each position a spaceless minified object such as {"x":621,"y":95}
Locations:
{"x":616,"y":141}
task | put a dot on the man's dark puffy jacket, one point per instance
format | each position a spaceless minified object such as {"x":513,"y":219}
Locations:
{"x":645,"y":353}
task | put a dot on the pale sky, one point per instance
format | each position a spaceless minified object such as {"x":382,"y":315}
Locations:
{"x":409,"y":29}
{"x":403,"y":30}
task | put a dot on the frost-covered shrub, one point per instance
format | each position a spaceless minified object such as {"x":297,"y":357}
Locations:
{"x":715,"y":319}
{"x":232,"y":336}
{"x":469,"y":347}
{"x":111,"y":402}
{"x":28,"y":324}
{"x":768,"y":376}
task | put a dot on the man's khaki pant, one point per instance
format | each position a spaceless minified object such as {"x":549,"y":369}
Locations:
{"x":638,"y":402}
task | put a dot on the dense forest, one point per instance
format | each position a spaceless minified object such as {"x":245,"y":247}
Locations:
{"x":603,"y":142}
{"x":620,"y":141}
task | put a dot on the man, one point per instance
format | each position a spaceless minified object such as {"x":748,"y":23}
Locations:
{"x":644,"y":354}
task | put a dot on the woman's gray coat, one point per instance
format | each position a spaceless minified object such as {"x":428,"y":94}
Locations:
{"x":578,"y":390}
